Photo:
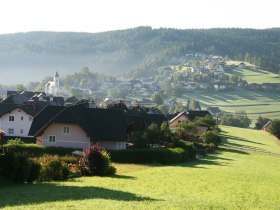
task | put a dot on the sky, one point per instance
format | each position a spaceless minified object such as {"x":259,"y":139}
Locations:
{"x":107,"y":15}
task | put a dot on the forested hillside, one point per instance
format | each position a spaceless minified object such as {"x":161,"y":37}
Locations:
{"x":41,"y":53}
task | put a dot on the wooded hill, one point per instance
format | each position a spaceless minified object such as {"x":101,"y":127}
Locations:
{"x":41,"y":53}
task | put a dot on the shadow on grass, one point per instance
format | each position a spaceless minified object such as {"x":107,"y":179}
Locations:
{"x":210,"y":159}
{"x":232,"y":150}
{"x":118,"y":176}
{"x":26,"y":194}
{"x":225,"y":136}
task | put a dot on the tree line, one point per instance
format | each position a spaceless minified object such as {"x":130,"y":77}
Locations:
{"x":142,"y":48}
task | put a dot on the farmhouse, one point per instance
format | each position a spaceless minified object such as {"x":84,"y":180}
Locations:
{"x":78,"y":126}
{"x":15,"y":120}
{"x":186,"y":116}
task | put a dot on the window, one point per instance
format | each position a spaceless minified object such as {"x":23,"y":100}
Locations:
{"x":21,"y":118}
{"x":21,"y":130}
{"x":10,"y":131}
{"x":66,"y":130}
{"x":11,"y":118}
{"x":30,"y":118}
{"x":19,"y":110}
{"x":52,"y":139}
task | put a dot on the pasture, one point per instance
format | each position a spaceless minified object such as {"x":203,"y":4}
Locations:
{"x":226,"y":179}
{"x":253,"y":75}
{"x":255,"y":103}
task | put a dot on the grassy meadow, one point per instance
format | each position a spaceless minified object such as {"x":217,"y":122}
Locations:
{"x":255,"y":103}
{"x":253,"y":75}
{"x":226,"y":179}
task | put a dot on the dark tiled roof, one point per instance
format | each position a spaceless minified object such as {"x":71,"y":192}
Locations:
{"x":71,"y":100}
{"x":171,"y":116}
{"x":98,"y":124}
{"x":28,"y":108}
{"x":43,"y":118}
{"x":16,"y":99}
{"x":193,"y":114}
{"x":4,"y":108}
{"x":31,"y":109}
{"x":155,"y":118}
{"x":214,"y":109}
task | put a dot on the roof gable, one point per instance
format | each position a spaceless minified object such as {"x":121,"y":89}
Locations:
{"x":98,"y":124}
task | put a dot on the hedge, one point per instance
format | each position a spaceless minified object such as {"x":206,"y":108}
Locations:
{"x":155,"y":155}
{"x":36,"y":150}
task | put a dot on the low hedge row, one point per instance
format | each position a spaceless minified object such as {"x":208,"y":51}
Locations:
{"x":36,"y":150}
{"x":158,"y":155}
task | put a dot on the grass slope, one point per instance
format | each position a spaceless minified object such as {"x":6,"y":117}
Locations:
{"x":228,"y":179}
{"x":253,"y":75}
{"x":255,"y":103}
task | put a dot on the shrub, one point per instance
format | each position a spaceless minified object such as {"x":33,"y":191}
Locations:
{"x":96,"y":161}
{"x":206,"y":121}
{"x":211,"y":137}
{"x":240,"y":119}
{"x":34,"y":171}
{"x":36,"y":150}
{"x":139,"y":140}
{"x":275,"y":128}
{"x":52,"y":168}
{"x":151,"y":155}
{"x":14,"y":142}
{"x":19,"y":168}
{"x":261,"y":122}
{"x":189,"y":146}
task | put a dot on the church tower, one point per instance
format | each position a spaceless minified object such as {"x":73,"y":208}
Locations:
{"x":56,"y":83}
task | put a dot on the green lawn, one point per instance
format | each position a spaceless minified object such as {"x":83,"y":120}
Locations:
{"x":227,"y":179}
{"x":256,"y":75}
{"x":255,"y":103}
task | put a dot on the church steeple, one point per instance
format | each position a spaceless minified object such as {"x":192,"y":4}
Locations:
{"x":56,"y":82}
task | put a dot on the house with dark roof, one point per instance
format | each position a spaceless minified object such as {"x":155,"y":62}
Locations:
{"x":78,"y":126}
{"x":18,"y":97}
{"x":186,"y":116}
{"x":214,"y":111}
{"x":15,"y":120}
{"x":141,"y":116}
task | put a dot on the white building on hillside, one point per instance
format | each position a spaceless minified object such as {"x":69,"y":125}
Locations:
{"x":15,"y":120}
{"x":52,"y":87}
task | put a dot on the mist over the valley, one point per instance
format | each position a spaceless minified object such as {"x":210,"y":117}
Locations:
{"x":26,"y":57}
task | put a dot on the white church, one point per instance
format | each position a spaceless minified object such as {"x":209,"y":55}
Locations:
{"x":52,"y":87}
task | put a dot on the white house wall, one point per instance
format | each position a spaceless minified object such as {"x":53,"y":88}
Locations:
{"x":21,"y":124}
{"x":77,"y":138}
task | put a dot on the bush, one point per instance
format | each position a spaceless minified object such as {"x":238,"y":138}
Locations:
{"x":152,"y":155}
{"x":36,"y":150}
{"x":240,"y":119}
{"x":19,"y":168}
{"x":34,"y":172}
{"x":206,"y":121}
{"x":211,"y":137}
{"x":189,"y":146}
{"x":275,"y":128}
{"x":261,"y":122}
{"x":52,"y":168}
{"x":96,"y":161}
{"x":14,"y":142}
